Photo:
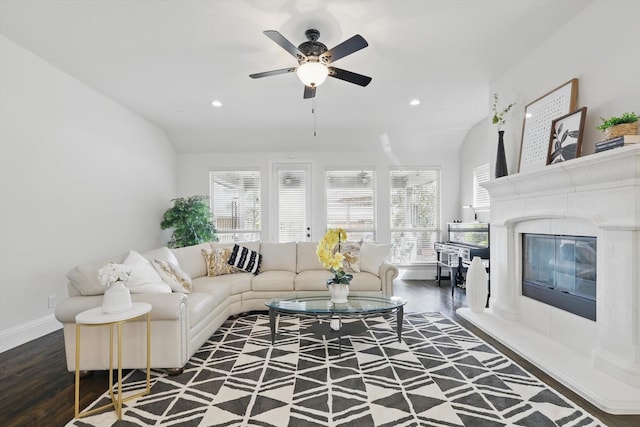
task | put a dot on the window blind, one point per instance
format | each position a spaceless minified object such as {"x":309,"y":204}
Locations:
{"x":350,"y":202}
{"x":480,"y":194}
{"x":235,"y":203}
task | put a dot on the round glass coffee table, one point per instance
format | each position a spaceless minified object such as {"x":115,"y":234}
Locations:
{"x":320,"y":306}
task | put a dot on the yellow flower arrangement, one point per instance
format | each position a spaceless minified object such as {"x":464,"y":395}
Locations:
{"x":328,"y":252}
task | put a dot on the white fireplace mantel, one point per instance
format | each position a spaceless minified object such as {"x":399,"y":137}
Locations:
{"x":596,"y":195}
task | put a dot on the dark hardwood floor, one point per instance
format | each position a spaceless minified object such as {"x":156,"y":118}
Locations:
{"x":37,"y":390}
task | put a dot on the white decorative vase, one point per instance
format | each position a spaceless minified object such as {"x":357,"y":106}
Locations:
{"x":116,"y":299}
{"x":477,"y":285}
{"x":339,"y":292}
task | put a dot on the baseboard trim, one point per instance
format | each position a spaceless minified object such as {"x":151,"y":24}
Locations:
{"x":21,"y":334}
{"x":419,"y":272}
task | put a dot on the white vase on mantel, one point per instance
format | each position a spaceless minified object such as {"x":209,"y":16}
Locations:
{"x":117,"y":298}
{"x":339,"y":293}
{"x":477,"y":285}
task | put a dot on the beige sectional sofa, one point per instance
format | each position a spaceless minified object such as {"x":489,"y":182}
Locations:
{"x":182,"y":321}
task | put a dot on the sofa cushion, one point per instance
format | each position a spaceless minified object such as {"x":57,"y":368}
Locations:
{"x":278,"y":280}
{"x":307,"y":258}
{"x":239,"y":282}
{"x":84,"y":278}
{"x":191,"y":261}
{"x":372,"y":256}
{"x":254,"y":246}
{"x":312,"y":280}
{"x":278,"y":256}
{"x":172,"y":274}
{"x":245,"y":259}
{"x":205,"y":300}
{"x":144,"y":278}
{"x":365,"y":282}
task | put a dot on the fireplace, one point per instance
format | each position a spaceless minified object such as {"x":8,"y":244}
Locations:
{"x":580,"y":219}
{"x":560,"y":271}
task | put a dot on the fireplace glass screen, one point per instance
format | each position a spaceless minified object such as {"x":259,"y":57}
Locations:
{"x":561,"y":271}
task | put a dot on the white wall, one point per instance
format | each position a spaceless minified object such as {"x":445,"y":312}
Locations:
{"x":81,"y":178}
{"x":475,"y":152}
{"x":599,"y":46}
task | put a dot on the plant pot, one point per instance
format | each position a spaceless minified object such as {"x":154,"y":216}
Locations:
{"x":117,"y":299}
{"x":339,"y":292}
{"x":620,"y":130}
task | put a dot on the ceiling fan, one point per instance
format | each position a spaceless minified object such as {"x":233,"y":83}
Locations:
{"x":314,"y":60}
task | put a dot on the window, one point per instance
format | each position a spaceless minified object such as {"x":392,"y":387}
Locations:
{"x":350,"y":202}
{"x":235,"y":203}
{"x":480,"y":194}
{"x":415,"y":215}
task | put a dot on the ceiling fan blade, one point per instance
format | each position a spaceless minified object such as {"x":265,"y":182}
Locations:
{"x":349,"y":76}
{"x":309,"y":92}
{"x":345,"y":48}
{"x":285,"y":44}
{"x":273,"y":72}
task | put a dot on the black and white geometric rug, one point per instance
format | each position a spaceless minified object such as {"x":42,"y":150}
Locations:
{"x":439,"y":375}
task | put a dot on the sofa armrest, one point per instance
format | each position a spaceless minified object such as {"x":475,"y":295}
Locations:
{"x":387,"y":273}
{"x":164,"y":306}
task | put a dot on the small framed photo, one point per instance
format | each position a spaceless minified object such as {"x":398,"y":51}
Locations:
{"x":565,"y":142}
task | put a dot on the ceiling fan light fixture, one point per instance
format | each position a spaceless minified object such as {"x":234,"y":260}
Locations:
{"x":312,"y":74}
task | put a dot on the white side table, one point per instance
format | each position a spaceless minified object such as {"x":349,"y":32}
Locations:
{"x":95,"y":317}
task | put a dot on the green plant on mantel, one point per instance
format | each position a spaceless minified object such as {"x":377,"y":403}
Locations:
{"x":498,"y":115}
{"x":190,"y":219}
{"x":612,"y":121}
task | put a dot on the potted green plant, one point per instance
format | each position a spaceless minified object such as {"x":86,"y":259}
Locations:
{"x":626,"y":124}
{"x":191,"y":220}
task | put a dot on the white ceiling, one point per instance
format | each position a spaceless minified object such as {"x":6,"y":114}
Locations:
{"x":167,"y":60}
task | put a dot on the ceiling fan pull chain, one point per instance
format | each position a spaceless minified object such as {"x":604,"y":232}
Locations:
{"x":313,"y":111}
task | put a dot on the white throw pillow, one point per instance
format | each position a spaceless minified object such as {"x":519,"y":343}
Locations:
{"x":171,"y":274}
{"x":163,"y":254}
{"x":144,"y":278}
{"x":372,"y":256}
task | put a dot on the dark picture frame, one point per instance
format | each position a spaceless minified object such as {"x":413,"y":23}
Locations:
{"x":536,"y":124}
{"x":565,"y":141}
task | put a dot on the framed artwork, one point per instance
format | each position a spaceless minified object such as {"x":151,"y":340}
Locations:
{"x":565,"y":142}
{"x":536,"y":126}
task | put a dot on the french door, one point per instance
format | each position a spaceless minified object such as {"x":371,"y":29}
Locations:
{"x":292,"y":188}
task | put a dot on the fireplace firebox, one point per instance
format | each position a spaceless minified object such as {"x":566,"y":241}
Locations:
{"x":561,"y":271}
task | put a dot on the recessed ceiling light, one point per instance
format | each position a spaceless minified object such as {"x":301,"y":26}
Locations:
{"x":216,"y":103}
{"x":414,"y":102}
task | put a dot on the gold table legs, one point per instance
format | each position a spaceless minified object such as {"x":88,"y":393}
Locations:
{"x":116,"y":398}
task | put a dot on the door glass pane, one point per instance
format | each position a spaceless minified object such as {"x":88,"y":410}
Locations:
{"x":292,"y":205}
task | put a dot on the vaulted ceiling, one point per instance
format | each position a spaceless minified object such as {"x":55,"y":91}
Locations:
{"x":167,"y":60}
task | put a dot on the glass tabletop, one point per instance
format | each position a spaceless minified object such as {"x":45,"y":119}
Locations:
{"x":321,"y":304}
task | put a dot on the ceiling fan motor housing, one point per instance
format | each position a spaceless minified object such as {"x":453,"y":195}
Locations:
{"x":312,"y":48}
